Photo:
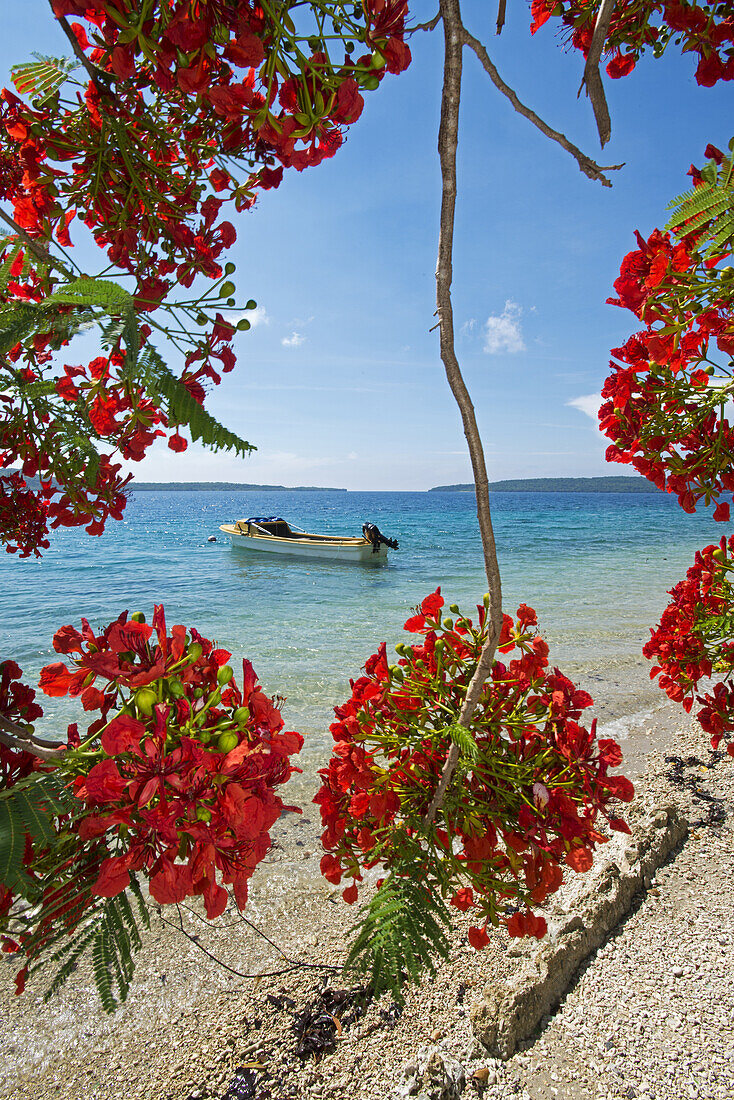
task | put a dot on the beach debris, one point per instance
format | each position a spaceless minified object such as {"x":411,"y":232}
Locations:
{"x":714,"y":807}
{"x":432,"y":1075}
{"x":319,"y":1026}
{"x":244,"y":1086}
{"x":212,"y":538}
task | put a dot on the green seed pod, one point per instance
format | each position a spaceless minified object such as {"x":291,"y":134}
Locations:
{"x":145,"y":700}
{"x":227,"y":741}
{"x":225,"y":674}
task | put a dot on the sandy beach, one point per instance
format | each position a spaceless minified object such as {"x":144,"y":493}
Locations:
{"x":649,"y":1015}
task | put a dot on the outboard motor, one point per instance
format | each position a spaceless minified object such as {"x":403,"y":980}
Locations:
{"x":374,"y":535}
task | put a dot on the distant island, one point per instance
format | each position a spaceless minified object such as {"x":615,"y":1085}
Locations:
{"x":224,"y":487}
{"x":559,"y":485}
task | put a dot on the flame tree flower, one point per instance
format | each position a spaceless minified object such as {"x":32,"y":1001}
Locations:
{"x":532,"y":796}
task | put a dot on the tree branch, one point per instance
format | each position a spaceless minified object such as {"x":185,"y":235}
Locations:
{"x":501,"y":15}
{"x":589,"y":167}
{"x":36,"y":248}
{"x":429,"y":26}
{"x":100,"y":79}
{"x":15,"y":737}
{"x":592,"y":77}
{"x":448,"y":137}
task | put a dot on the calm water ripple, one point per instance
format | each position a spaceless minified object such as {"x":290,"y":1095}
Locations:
{"x":596,"y":567}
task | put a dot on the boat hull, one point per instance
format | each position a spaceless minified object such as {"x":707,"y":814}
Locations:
{"x":355,"y":550}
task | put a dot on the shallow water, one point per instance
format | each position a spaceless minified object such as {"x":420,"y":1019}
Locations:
{"x":596,"y":567}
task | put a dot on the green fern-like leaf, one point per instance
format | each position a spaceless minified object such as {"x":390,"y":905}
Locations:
{"x":16,"y":322}
{"x":109,"y":296}
{"x":137,"y":893}
{"x":40,"y":79}
{"x":402,"y":931}
{"x":12,"y":843}
{"x":708,"y":209}
{"x":102,"y":966}
{"x":35,"y":815}
{"x":182,"y":408}
{"x":463,"y":739}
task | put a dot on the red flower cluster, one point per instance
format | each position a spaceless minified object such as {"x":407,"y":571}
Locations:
{"x":185,"y":787}
{"x":527,"y":792}
{"x":694,"y":640}
{"x":175,"y":779}
{"x":183,"y":100}
{"x":662,"y":408}
{"x":706,"y":29}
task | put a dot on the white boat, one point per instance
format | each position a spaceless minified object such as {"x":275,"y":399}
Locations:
{"x":273,"y":535}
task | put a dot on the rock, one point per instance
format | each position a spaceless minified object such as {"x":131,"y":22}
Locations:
{"x":511,"y":1010}
{"x":436,"y":1077}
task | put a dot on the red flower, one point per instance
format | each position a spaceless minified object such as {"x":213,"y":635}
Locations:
{"x":478,"y":937}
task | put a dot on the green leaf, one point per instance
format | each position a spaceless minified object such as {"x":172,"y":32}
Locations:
{"x":42,"y":78}
{"x":182,"y":408}
{"x":463,"y":740}
{"x":35,"y":814}
{"x":109,"y":296}
{"x":402,"y":930}
{"x":12,"y":843}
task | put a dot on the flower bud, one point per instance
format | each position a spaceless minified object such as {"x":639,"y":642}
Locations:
{"x":448,"y":624}
{"x":241,"y":716}
{"x":225,"y":674}
{"x":137,"y":617}
{"x":195,"y":651}
{"x":145,"y":700}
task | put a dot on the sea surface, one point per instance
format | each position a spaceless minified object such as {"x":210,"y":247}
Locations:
{"x":595,"y":566}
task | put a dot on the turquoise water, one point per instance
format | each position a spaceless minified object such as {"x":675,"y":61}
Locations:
{"x":596,"y":567}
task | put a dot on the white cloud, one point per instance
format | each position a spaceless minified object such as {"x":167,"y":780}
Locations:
{"x":588,"y":404}
{"x":468,"y":327}
{"x":257,"y":316}
{"x":502,"y":332}
{"x":293,"y":341}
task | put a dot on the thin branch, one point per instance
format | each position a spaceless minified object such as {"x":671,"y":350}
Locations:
{"x":592,"y":77}
{"x":588,"y":166}
{"x":429,"y":26}
{"x":241,"y":973}
{"x":37,"y":249}
{"x":15,"y":737}
{"x":501,"y":15}
{"x":448,"y":137}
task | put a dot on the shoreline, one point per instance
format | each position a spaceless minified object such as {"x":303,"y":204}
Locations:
{"x":188,"y":1025}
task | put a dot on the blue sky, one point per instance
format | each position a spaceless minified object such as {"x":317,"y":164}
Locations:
{"x":340,"y":383}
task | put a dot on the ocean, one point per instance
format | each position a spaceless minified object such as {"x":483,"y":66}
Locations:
{"x":595,"y":566}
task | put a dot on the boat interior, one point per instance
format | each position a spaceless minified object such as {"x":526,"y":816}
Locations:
{"x":276,"y":527}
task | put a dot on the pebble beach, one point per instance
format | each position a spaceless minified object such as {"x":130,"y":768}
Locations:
{"x":649,"y":1015}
